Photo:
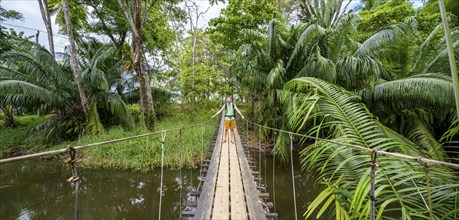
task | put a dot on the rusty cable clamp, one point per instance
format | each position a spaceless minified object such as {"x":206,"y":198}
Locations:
{"x":71,"y":161}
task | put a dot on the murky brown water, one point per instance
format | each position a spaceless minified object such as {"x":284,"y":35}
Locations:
{"x":36,"y":189}
{"x":280,"y":188}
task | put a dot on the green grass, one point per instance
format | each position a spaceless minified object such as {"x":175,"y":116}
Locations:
{"x":145,"y":153}
{"x":138,"y":154}
{"x":17,"y":139}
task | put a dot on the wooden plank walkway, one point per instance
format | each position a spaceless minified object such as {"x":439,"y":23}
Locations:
{"x":229,"y":190}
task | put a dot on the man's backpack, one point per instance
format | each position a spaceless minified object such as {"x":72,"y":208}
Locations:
{"x":226,"y":108}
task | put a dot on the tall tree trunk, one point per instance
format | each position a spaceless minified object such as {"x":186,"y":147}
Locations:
{"x":194,"y":8}
{"x":193,"y":45}
{"x":47,"y":20}
{"x":179,"y":60}
{"x":73,"y":52}
{"x":146,"y":98}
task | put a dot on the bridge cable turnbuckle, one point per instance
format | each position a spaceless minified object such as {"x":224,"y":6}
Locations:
{"x":427,"y":170}
{"x":374,"y":166}
{"x":72,"y":160}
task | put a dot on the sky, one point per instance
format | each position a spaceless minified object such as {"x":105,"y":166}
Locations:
{"x":33,"y":21}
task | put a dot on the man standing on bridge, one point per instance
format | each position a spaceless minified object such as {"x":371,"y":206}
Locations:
{"x":230,"y":117}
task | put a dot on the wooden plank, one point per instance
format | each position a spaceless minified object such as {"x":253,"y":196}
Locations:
{"x":253,"y":205}
{"x":238,"y":206}
{"x":221,"y":200}
{"x":205,"y":201}
{"x":187,"y":214}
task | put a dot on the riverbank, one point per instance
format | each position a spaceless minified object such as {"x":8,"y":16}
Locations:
{"x":19,"y":140}
{"x":141,"y":154}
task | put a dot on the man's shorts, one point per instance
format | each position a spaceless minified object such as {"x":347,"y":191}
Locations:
{"x":231,"y":124}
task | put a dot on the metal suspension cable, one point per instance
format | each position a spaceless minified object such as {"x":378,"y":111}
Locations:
{"x":77,"y":207}
{"x":259,"y":154}
{"x":163,"y":138}
{"x":53,"y":152}
{"x":374,"y":165}
{"x":293,"y":175}
{"x":181,"y":164}
{"x":74,"y":179}
{"x":274,"y":185}
{"x":264,"y":161}
{"x":201,"y":157}
{"x":202,"y":144}
{"x":380,"y":152}
{"x":429,"y":199}
{"x":274,"y":174}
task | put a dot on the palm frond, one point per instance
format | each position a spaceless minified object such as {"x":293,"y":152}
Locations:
{"x":420,"y":134}
{"x":11,"y":86}
{"x":276,"y":77}
{"x":101,"y":55}
{"x":310,"y":31}
{"x":437,"y":63}
{"x":452,"y":132}
{"x":359,"y":71}
{"x":339,"y":36}
{"x":96,"y":78}
{"x":93,"y":124}
{"x":421,"y":91}
{"x":282,"y":146}
{"x":426,"y":50}
{"x":379,"y":39}
{"x":119,"y":109}
{"x":272,"y":36}
{"x":6,"y":72}
{"x":39,"y":63}
{"x":319,"y":67}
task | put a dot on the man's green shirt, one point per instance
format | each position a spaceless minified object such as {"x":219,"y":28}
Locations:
{"x":230,"y":113}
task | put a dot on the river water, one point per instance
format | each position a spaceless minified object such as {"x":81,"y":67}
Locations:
{"x":36,"y":189}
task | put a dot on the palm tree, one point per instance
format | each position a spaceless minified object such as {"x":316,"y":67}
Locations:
{"x":101,"y":74}
{"x":418,"y":99}
{"x":344,"y":172}
{"x":31,"y":78}
{"x":303,"y":50}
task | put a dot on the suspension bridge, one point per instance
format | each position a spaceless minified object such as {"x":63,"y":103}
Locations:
{"x":230,"y":186}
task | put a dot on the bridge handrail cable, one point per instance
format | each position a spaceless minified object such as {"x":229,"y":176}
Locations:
{"x":380,"y":152}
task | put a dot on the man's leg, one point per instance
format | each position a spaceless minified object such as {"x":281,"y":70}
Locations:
{"x":232,"y":126}
{"x":225,"y":128}
{"x":224,"y":136}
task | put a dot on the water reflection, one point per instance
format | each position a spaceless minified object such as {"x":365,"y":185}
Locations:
{"x":36,"y":189}
{"x":279,"y":186}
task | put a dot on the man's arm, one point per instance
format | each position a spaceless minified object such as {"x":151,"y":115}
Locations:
{"x":219,"y":111}
{"x":237,"y":110}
